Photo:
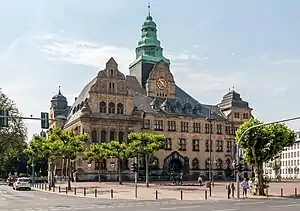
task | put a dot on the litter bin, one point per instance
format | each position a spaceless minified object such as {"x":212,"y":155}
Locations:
{"x":208,"y":184}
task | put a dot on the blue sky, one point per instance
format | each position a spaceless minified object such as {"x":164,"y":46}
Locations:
{"x":213,"y":45}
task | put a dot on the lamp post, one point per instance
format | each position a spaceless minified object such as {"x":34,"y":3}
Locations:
{"x":209,"y":119}
{"x":33,"y":173}
{"x":27,"y":169}
{"x":239,"y":141}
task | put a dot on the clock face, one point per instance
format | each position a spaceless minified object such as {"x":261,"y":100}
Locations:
{"x":162,"y":83}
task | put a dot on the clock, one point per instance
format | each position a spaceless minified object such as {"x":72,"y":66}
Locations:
{"x":162,"y":83}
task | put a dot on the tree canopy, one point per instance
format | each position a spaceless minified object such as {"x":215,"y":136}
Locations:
{"x":12,"y":138}
{"x":262,"y":144}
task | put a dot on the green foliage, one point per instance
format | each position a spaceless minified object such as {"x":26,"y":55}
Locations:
{"x":35,"y":149}
{"x":115,"y":149}
{"x":66,"y":143}
{"x":12,"y":138}
{"x":146,"y":143}
{"x":261,"y":144}
{"x":96,"y":152}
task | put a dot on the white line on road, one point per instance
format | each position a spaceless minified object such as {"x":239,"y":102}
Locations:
{"x":285,"y":205}
{"x":187,"y":207}
{"x":257,"y":202}
{"x":225,"y":210}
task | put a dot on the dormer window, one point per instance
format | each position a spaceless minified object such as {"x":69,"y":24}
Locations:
{"x":187,"y":108}
{"x":111,"y":72}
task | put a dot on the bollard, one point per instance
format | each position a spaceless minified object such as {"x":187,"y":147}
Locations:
{"x":296,"y":194}
{"x":95,"y":193}
{"x":281,"y":192}
{"x":210,"y":190}
{"x":66,"y":190}
{"x":42,"y":187}
{"x":156,"y":194}
{"x":267,"y":192}
{"x":53,"y":189}
{"x":59,"y":189}
{"x":205,"y":194}
{"x":112,"y":193}
{"x":49,"y":188}
{"x":181,"y":195}
{"x":75,"y":191}
{"x":84,"y":191}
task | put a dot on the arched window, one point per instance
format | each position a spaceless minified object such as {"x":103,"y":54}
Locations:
{"x":102,"y":107}
{"x":94,"y":136}
{"x":102,"y":165}
{"x":219,"y":164}
{"x":195,"y":163}
{"x":120,"y":108}
{"x":103,"y":136}
{"x":111,"y":108}
{"x":112,"y":135}
{"x":121,"y":136}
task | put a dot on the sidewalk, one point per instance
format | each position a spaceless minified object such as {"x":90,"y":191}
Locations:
{"x":158,"y":191}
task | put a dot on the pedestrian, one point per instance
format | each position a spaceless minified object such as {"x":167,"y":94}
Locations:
{"x":228,"y":188}
{"x":200,"y":180}
{"x":245,"y":186}
{"x":232,"y":189}
{"x":250,"y":185}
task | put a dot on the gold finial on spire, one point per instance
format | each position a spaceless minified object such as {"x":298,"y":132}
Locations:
{"x":149,"y":7}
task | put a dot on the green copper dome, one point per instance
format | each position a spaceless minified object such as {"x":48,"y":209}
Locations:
{"x":149,"y":48}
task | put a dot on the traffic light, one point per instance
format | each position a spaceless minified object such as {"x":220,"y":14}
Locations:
{"x":134,"y":167}
{"x":241,"y":168}
{"x":3,"y":118}
{"x":44,"y":120}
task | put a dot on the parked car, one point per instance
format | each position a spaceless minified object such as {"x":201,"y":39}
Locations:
{"x":22,"y":183}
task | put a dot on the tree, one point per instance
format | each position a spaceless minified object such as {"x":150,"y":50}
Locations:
{"x":262,"y":144}
{"x":97,"y":152}
{"x":120,"y":151}
{"x":146,"y":144}
{"x":67,"y":145}
{"x":12,"y":138}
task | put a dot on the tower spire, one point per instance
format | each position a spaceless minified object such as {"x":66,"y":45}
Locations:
{"x":59,"y":90}
{"x":149,"y":9}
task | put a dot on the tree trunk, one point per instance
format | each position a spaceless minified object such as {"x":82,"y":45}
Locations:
{"x":68,"y":174}
{"x":120,"y":171}
{"x":147,"y":169}
{"x":99,"y":172}
{"x":260,"y":180}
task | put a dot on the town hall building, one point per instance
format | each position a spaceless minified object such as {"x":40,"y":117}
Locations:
{"x":112,"y":105}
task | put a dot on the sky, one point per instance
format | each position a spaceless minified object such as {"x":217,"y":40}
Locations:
{"x":213,"y":45}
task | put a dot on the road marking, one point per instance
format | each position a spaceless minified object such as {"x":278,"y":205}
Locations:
{"x":186,"y":207}
{"x":224,"y":210}
{"x":285,"y":205}
{"x":257,"y":202}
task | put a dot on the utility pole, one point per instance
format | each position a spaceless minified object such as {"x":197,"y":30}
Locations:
{"x":239,"y":141}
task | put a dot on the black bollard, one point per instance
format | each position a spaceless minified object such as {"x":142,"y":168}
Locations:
{"x":181,"y":195}
{"x":75,"y":191}
{"x":53,"y":189}
{"x":58,"y":189}
{"x":95,"y":193}
{"x":66,"y":190}
{"x":210,"y":190}
{"x":112,"y":193}
{"x":281,"y":192}
{"x":296,"y":194}
{"x":84,"y":191}
{"x":205,"y":194}
{"x":156,"y":194}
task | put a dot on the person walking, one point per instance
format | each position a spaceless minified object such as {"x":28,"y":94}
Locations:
{"x":245,"y":186}
{"x":228,"y":188}
{"x":232,"y":189}
{"x":200,"y":180}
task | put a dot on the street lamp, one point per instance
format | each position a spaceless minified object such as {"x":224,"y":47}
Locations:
{"x":33,"y":173}
{"x":27,"y":169}
{"x":209,"y":119}
{"x":239,"y":142}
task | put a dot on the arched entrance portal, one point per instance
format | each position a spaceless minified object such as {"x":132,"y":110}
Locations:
{"x":175,"y":165}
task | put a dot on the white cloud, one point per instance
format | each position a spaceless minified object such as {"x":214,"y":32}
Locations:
{"x":286,"y":61}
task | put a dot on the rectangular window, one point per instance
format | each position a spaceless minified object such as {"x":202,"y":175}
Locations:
{"x":171,"y":125}
{"x":168,"y":144}
{"x":159,"y":125}
{"x":184,"y":126}
{"x":219,"y":146}
{"x":245,"y":115}
{"x":196,"y":127}
{"x":229,"y":146}
{"x":236,"y":115}
{"x":182,"y":144}
{"x":206,"y":128}
{"x":219,"y":129}
{"x":147,"y":124}
{"x":207,"y":146}
{"x":196,"y":145}
{"x":227,"y":130}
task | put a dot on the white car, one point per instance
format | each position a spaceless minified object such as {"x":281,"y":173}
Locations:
{"x":22,"y":183}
